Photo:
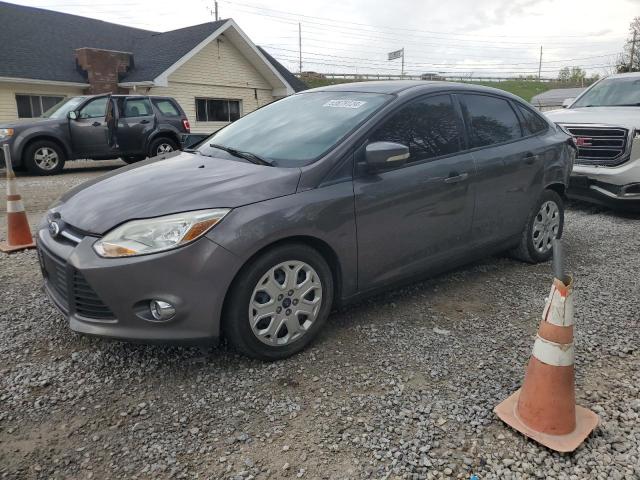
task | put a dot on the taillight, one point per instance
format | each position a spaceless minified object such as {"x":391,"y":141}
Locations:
{"x":185,"y":124}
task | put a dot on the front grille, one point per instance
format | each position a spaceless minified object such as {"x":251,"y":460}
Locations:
{"x":54,"y":270}
{"x":70,"y":289}
{"x":86,"y":300}
{"x":597,"y":145}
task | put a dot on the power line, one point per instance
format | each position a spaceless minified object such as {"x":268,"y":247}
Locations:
{"x":567,"y":60}
{"x":333,"y":20}
{"x":506,"y":69}
{"x":387,"y":36}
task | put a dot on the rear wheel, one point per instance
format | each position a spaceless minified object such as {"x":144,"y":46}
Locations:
{"x":279,"y":302}
{"x":161,"y":146}
{"x":43,"y":157}
{"x":545,"y":222}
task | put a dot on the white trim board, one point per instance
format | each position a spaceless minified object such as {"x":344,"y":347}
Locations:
{"x":36,"y":81}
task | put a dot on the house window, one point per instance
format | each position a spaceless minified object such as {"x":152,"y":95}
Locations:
{"x":216,"y":110}
{"x":31,"y":106}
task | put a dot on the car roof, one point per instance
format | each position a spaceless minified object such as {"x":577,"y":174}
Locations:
{"x":392,"y":87}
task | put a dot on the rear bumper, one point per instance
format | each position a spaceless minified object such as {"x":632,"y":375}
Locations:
{"x":110,"y":297}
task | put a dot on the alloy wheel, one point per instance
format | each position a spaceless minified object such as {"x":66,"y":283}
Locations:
{"x":285,"y":303}
{"x":46,"y":158}
{"x":164,"y":148}
{"x":546,"y":226}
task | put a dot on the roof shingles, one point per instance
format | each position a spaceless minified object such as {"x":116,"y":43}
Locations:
{"x":40,"y":44}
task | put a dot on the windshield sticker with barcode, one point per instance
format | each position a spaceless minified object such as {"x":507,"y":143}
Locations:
{"x":344,"y":103}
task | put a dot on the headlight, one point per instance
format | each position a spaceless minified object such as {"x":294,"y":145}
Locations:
{"x":6,"y":133}
{"x":152,"y":235}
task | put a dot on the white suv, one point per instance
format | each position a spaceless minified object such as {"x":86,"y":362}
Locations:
{"x":605,"y":123}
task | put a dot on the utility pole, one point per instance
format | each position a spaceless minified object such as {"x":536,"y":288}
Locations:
{"x":540,"y":64}
{"x":300,"y":45}
{"x":214,"y":11}
{"x":633,"y":50}
{"x":402,"y":66}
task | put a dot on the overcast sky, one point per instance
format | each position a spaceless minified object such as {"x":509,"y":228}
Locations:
{"x":470,"y":37}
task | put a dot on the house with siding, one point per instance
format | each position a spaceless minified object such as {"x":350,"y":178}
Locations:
{"x":213,"y":70}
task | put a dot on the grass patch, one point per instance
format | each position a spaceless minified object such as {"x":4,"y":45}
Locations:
{"x":525,"y":89}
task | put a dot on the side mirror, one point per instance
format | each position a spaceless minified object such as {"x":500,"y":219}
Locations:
{"x":72,"y":115}
{"x":567,"y":102}
{"x":385,"y":155}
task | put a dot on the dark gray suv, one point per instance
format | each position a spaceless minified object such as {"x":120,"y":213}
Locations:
{"x":310,"y":202}
{"x":132,"y":127}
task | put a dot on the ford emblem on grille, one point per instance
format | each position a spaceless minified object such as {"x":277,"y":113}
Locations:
{"x":54,"y":228}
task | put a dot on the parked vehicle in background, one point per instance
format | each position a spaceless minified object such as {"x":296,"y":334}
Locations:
{"x":311,"y":201}
{"x":98,"y":127}
{"x":605,"y":122}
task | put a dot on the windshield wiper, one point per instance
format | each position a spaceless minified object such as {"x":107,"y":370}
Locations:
{"x":251,"y":157}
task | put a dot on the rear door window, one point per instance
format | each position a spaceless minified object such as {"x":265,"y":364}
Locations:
{"x":429,"y":126}
{"x":531,"y":122}
{"x":166,"y":107}
{"x":137,"y":107}
{"x":491,"y":120}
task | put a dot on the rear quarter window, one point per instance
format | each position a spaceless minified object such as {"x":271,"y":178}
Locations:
{"x":531,"y":122}
{"x":167,"y":107}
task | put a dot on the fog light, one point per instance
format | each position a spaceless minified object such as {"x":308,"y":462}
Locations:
{"x":161,"y":310}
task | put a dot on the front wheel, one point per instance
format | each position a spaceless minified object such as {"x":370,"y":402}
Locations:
{"x":44,"y":157}
{"x":545,"y":222}
{"x":279,"y":302}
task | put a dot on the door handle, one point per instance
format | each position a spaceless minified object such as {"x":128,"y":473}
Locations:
{"x":144,"y":121}
{"x":456,"y":177}
{"x":96,"y":124}
{"x":529,"y":159}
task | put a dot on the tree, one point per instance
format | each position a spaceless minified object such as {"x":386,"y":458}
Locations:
{"x":565,"y":74}
{"x":625,"y":62}
{"x":577,"y":74}
{"x":572,"y":74}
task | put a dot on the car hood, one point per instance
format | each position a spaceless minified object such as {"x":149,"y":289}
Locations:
{"x":174,"y":184}
{"x":31,"y":122}
{"x":628,"y":117}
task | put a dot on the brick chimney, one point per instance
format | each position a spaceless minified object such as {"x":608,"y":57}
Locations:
{"x":103,"y":68}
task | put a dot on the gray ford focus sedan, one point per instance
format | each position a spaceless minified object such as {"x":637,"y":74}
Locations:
{"x":307,"y":203}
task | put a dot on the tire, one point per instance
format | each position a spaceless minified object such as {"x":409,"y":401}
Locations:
{"x":161,"y":145}
{"x":133,"y":158}
{"x":537,"y":249}
{"x":271,"y":339}
{"x":44,"y":157}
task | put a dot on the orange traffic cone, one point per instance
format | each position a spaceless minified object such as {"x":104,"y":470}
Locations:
{"x":18,"y":232}
{"x":544,"y":408}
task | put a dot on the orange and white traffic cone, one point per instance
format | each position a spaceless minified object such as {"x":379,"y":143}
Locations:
{"x":18,"y":231}
{"x":544,"y":408}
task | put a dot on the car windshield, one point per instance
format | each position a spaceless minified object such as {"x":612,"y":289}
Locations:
{"x":612,"y":92}
{"x":63,"y":107}
{"x":296,"y":130}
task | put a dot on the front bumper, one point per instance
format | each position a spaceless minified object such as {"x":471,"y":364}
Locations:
{"x":625,"y":197}
{"x":110,"y":297}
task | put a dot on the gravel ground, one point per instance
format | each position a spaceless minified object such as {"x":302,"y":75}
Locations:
{"x":400,"y":386}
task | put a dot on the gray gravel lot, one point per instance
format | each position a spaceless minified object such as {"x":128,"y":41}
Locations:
{"x":400,"y":386}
